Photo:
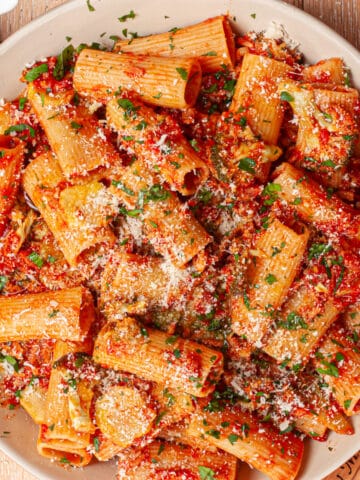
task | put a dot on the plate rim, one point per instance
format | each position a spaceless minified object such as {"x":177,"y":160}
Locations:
{"x":70,"y":5}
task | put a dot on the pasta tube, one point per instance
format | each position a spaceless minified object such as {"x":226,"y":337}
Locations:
{"x":241,"y":434}
{"x":159,"y":143}
{"x":338,"y":362}
{"x":75,"y":214}
{"x":256,"y":95}
{"x":269,"y":278}
{"x":156,"y":356}
{"x":168,"y":82}
{"x":58,"y":438}
{"x":74,"y":134}
{"x":168,"y":224}
{"x":123,"y":415}
{"x":11,"y":162}
{"x":132,"y":278}
{"x":325,"y":139}
{"x":64,"y":314}
{"x":161,"y":459}
{"x":313,"y":205}
{"x":330,"y":70}
{"x":301,"y":327}
{"x":33,"y":401}
{"x":211,"y":41}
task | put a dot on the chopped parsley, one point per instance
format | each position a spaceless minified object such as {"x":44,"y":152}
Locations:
{"x":206,"y":473}
{"x":156,"y":193}
{"x":293,"y":321}
{"x":96,"y":443}
{"x":141,"y":126}
{"x":36,"y":259}
{"x":21,"y":127}
{"x":177,"y":353}
{"x":270,"y":279}
{"x":233,"y":438}
{"x":120,"y":185}
{"x":127,"y":16}
{"x":245,"y":429}
{"x":213,"y":433}
{"x":144,"y":332}
{"x":22,"y":102}
{"x":128,"y":106}
{"x":271,"y":193}
{"x":318,"y":249}
{"x":130,"y":213}
{"x":91,"y":9}
{"x":286,"y":97}
{"x":246,"y":301}
{"x":328,"y":163}
{"x":171,"y":340}
{"x":229,"y":86}
{"x":193,"y":142}
{"x":76,"y":126}
{"x":160,"y":417}
{"x":288,"y":429}
{"x":276,"y":250}
{"x":330,"y":369}
{"x":247,"y":164}
{"x":3,"y":282}
{"x":35,"y":72}
{"x":204,"y":196}
{"x":183,"y":73}
{"x":63,"y":62}
{"x":11,"y":361}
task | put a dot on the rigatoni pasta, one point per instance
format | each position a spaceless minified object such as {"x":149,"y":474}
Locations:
{"x":63,"y":314}
{"x":74,"y":231}
{"x":161,"y":458}
{"x":83,"y":147}
{"x":168,"y":224}
{"x":269,"y":279}
{"x":242,"y":435}
{"x":313,"y":204}
{"x":11,"y":162}
{"x":255,"y":95}
{"x":210,"y":41}
{"x":168,"y":153}
{"x":124,"y":344}
{"x":58,"y":437}
{"x":168,"y":82}
{"x":337,"y":361}
{"x":179,"y":266}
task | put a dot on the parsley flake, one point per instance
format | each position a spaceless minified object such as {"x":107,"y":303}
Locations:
{"x":206,"y":473}
{"x":91,"y":9}
{"x":35,"y":72}
{"x":247,"y":164}
{"x":127,"y":16}
{"x":183,"y":73}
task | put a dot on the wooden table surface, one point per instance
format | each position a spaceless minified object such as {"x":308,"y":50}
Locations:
{"x":341,"y":15}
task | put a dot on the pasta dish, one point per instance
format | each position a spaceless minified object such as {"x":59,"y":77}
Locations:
{"x":179,"y":268}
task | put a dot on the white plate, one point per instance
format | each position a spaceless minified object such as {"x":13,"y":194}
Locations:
{"x":46,"y":36}
{"x":7,"y":5}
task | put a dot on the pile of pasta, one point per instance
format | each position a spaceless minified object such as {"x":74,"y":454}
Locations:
{"x":180,"y":253}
